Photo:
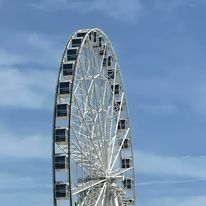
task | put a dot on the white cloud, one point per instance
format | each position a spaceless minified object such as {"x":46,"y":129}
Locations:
{"x":198,"y":98}
{"x":117,"y":9}
{"x":35,"y":197}
{"x":170,"y":5}
{"x":9,"y":58}
{"x":182,"y":86}
{"x":158,"y":108}
{"x":38,"y":199}
{"x":22,"y":84}
{"x":14,"y":182}
{"x":15,"y":188}
{"x":33,"y":146}
{"x":177,"y":166}
{"x":191,"y":201}
{"x":35,"y":48}
{"x":53,"y":5}
{"x":26,"y":88}
{"x":155,"y":182}
{"x":39,"y":42}
{"x":176,"y":201}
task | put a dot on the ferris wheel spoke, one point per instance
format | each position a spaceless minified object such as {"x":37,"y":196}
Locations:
{"x":107,"y":103}
{"x":88,"y":126}
{"x":80,"y":136}
{"x":84,"y":77}
{"x":90,"y":57}
{"x":112,"y":103}
{"x":88,"y":162}
{"x":82,"y":203}
{"x":100,"y":121}
{"x":86,"y":108}
{"x":84,"y":86}
{"x":90,"y":134}
{"x":107,"y":89}
{"x":118,"y":172}
{"x":78,"y":87}
{"x":119,"y":150}
{"x":97,"y":126}
{"x":119,"y":112}
{"x":103,"y":56}
{"x":79,"y":118}
{"x":93,"y":55}
{"x":101,"y":194}
{"x":84,"y":64}
{"x":87,"y":94}
{"x":84,"y":161}
{"x":85,"y":186}
{"x":113,"y":140}
{"x":92,"y":195}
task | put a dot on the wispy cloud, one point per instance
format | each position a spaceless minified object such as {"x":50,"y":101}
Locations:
{"x":24,"y":146}
{"x":159,"y":182}
{"x":25,"y":81}
{"x":166,"y":94}
{"x":117,"y":9}
{"x":169,"y":6}
{"x":25,"y":168}
{"x":174,"y":166}
{"x":158,"y":108}
{"x":28,"y":89}
{"x":10,"y":58}
{"x":35,"y":197}
{"x":15,"y":183}
{"x":176,"y":201}
{"x":35,"y":48}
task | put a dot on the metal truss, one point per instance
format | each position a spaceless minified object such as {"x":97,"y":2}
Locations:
{"x":92,"y":153}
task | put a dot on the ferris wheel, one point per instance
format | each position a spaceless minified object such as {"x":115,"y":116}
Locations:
{"x":92,"y":153}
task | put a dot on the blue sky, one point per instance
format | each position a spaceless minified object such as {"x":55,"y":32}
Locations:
{"x":161,"y":47}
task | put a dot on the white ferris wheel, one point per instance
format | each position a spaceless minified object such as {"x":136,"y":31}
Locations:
{"x":92,"y":153}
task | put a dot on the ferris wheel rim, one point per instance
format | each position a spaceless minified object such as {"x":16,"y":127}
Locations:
{"x":73,"y":79}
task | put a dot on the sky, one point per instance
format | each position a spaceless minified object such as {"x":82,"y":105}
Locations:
{"x":161,"y":47}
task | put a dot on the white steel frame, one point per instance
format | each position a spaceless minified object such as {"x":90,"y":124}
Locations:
{"x":95,"y":144}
